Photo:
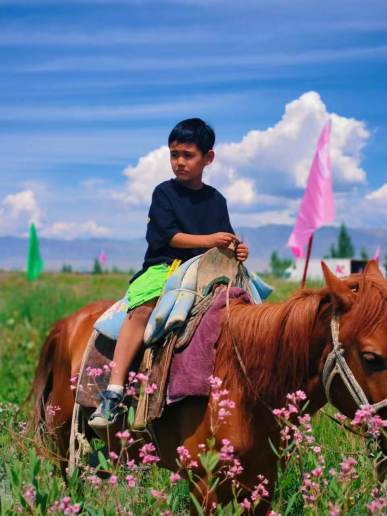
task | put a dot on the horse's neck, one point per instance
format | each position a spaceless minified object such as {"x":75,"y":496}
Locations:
{"x":280,"y":343}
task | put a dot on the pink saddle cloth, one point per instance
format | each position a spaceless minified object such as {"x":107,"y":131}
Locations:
{"x":191,"y":368}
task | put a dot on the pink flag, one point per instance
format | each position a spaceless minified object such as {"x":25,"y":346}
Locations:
{"x":317,"y":206}
{"x":102,"y":258}
{"x":376,"y":256}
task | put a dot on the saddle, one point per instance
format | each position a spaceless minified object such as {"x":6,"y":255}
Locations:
{"x":188,"y":294}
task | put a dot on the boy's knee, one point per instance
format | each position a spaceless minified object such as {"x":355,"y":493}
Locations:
{"x":143,"y":312}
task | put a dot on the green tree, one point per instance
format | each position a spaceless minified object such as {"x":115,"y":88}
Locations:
{"x":344,"y":247}
{"x":67,"y":268}
{"x":278,"y":266}
{"x":97,"y":269}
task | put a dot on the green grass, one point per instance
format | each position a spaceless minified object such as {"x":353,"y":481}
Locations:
{"x":27,"y":312}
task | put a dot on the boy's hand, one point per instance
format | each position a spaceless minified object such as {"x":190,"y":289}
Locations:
{"x":242,"y":252}
{"x":220,"y":239}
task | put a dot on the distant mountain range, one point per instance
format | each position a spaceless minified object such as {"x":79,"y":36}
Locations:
{"x":126,"y":254}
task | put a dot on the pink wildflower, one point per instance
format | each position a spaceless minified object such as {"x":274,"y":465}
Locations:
{"x":226,"y":451}
{"x":94,"y":480}
{"x":183,"y":453}
{"x":113,"y":480}
{"x":94,"y":372}
{"x":131,"y":481}
{"x":159,"y":495}
{"x":131,"y":391}
{"x":147,"y":454}
{"x":340,"y":417}
{"x":151,"y":389}
{"x":234,"y":470}
{"x":142,"y":377}
{"x":29,"y":495}
{"x":260,"y":490}
{"x":245,"y":504}
{"x":123,"y":436}
{"x":132,"y":377}
{"x":175,"y":477}
{"x":347,"y":469}
{"x":333,"y":509}
{"x":74,"y":382}
{"x":378,"y":503}
{"x":113,"y":456}
{"x":131,"y":464}
{"x":374,"y":423}
{"x":215,"y":382}
{"x":51,"y":410}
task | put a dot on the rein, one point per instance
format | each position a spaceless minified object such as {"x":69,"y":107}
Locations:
{"x":336,"y":364}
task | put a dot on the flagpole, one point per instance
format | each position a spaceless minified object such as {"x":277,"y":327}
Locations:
{"x":308,"y":252}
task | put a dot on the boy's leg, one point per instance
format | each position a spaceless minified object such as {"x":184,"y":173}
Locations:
{"x":130,"y":341}
{"x":128,"y":344}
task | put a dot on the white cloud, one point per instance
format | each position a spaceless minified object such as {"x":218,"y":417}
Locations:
{"x":379,"y":195}
{"x":22,"y":203}
{"x":267,"y":169}
{"x":17,"y":211}
{"x":69,"y":230}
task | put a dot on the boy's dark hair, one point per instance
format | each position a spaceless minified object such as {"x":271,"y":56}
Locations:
{"x":193,"y":130}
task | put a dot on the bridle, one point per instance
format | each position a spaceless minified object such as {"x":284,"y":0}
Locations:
{"x":336,"y":364}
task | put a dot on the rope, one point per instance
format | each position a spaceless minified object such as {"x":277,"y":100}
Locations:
{"x":336,"y":364}
{"x":74,"y":434}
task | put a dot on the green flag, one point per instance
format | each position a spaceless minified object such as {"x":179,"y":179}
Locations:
{"x":34,"y":260}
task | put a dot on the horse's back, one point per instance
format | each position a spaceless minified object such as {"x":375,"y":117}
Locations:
{"x":78,"y":327}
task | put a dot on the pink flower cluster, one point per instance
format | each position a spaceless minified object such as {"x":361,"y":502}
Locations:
{"x":260,"y":490}
{"x":366,"y":417}
{"x":64,"y":506}
{"x":134,"y":379}
{"x":347,"y":469}
{"x":74,"y":382}
{"x":232,"y":467}
{"x":94,"y":372}
{"x":29,"y":495}
{"x":125,"y":437}
{"x":174,"y":478}
{"x":220,"y":403}
{"x":147,"y":454}
{"x":131,"y":481}
{"x":378,"y":502}
{"x":51,"y":410}
{"x":94,"y":480}
{"x":292,"y":406}
{"x":185,"y":458}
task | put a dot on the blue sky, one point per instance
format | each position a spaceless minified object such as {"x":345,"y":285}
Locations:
{"x":90,"y":89}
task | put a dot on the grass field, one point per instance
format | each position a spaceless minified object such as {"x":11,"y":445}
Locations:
{"x":26,"y":313}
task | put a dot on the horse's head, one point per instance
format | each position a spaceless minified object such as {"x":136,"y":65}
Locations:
{"x":355,"y":371}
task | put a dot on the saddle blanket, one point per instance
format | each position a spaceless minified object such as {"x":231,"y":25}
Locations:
{"x":175,"y":304}
{"x":191,"y":367}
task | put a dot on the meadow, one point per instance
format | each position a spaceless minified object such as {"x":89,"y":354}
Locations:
{"x":30,"y":483}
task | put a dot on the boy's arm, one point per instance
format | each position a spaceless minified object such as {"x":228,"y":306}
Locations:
{"x":187,"y":241}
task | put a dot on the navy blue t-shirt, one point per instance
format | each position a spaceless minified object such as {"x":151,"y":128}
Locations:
{"x":178,"y":209}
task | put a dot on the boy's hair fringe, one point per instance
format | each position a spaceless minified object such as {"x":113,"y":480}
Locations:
{"x":193,"y":130}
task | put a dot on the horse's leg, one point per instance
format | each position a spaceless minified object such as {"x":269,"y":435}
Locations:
{"x":60,"y":359}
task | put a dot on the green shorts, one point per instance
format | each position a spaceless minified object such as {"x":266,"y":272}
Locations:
{"x":149,"y":285}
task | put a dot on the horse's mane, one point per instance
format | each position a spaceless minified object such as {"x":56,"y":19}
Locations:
{"x":274,"y":340}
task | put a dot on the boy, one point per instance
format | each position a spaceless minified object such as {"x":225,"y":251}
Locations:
{"x":186,"y":218}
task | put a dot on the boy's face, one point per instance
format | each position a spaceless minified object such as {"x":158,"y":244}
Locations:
{"x":188,"y":162}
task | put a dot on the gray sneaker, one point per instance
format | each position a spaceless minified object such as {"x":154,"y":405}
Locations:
{"x":108,"y":410}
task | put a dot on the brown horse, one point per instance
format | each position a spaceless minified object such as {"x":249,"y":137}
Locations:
{"x":264,"y":352}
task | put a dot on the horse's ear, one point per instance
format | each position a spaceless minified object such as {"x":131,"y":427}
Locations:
{"x":373,"y":268}
{"x":341,"y":294}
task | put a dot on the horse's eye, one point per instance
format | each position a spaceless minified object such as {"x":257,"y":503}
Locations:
{"x":373,"y":361}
